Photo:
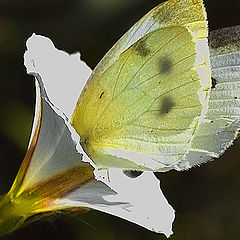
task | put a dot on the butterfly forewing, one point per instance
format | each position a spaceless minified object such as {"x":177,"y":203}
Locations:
{"x":145,"y":107}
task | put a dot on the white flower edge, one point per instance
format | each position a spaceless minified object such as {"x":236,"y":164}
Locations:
{"x":146,"y":205}
{"x":62,"y":76}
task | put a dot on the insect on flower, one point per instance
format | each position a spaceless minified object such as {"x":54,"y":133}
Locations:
{"x":150,"y":105}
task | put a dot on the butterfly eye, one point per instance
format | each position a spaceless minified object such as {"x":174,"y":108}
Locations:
{"x":133,"y":174}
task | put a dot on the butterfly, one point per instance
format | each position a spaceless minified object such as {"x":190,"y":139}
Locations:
{"x":151,"y":103}
{"x":142,"y":107}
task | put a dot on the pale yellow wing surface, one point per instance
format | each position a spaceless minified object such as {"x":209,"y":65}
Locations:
{"x":144,"y":101}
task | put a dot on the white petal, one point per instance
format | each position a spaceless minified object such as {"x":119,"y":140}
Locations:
{"x":55,"y":149}
{"x":138,"y":200}
{"x":64,"y":75}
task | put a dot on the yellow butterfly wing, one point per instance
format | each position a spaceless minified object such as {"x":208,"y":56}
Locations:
{"x":143,"y":103}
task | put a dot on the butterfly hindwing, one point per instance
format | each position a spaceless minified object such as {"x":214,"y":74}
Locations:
{"x":222,"y":121}
{"x":141,"y":110}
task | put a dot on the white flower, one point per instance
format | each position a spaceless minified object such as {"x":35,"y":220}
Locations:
{"x":54,"y":173}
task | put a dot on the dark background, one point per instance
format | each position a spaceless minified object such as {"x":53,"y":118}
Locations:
{"x":206,"y":199}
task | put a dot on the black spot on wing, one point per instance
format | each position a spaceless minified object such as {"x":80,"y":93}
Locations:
{"x":132,"y":174}
{"x":165,"y":65}
{"x":214,"y":83}
{"x":166,"y":105}
{"x":141,"y":48}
